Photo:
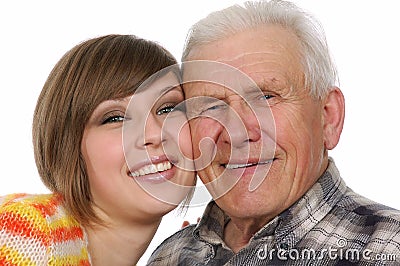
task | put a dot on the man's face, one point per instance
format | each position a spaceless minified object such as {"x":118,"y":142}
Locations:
{"x":276,"y":135}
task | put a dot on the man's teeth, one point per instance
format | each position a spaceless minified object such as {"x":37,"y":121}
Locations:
{"x":235,"y":166}
{"x":151,"y":169}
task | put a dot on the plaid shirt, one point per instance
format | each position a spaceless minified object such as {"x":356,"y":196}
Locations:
{"x":329,"y":225}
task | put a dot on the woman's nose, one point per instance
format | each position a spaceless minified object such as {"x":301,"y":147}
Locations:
{"x":152,"y":135}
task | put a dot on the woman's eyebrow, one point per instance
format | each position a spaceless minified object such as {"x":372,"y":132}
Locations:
{"x":168,"y":89}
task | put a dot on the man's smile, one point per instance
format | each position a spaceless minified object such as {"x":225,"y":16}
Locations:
{"x":243,"y":165}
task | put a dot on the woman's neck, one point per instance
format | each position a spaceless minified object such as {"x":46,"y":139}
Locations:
{"x":118,"y":244}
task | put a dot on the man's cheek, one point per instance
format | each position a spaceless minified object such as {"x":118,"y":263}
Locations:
{"x":205,"y":134}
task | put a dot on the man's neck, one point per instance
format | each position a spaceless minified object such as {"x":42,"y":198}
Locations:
{"x":238,"y":232}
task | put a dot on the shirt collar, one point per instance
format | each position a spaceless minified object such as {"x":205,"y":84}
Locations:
{"x":312,"y":207}
{"x":212,"y":224}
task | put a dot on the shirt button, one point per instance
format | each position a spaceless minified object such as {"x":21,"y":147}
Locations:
{"x":284,"y":246}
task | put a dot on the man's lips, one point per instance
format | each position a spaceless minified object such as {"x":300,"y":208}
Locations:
{"x":247,"y":164}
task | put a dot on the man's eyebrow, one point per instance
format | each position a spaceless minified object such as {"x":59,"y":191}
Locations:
{"x":196,"y":104}
{"x":201,"y":100}
{"x":272,"y":84}
{"x":269,"y":83}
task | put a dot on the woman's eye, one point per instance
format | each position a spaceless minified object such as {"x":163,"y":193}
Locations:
{"x":171,"y":108}
{"x":165,"y":110}
{"x":113,"y":119}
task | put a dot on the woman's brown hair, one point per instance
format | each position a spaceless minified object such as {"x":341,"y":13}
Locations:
{"x":99,"y":69}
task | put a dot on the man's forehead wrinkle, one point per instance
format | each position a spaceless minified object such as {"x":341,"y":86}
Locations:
{"x":262,"y":67}
{"x":248,"y":59}
{"x":274,"y":84}
{"x":269,"y":82}
{"x":211,"y":71}
{"x":206,"y":89}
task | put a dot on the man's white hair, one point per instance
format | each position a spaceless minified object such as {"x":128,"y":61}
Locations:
{"x":319,"y":70}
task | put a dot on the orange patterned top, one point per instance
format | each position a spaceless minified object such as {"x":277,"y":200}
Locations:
{"x":36,"y":230}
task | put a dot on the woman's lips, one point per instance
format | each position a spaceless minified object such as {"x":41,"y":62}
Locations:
{"x":151,"y":169}
{"x":155,"y":173}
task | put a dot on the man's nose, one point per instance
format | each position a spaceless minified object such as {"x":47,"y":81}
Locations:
{"x":241,"y":125}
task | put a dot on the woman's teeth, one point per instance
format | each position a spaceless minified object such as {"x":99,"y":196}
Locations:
{"x":151,"y":169}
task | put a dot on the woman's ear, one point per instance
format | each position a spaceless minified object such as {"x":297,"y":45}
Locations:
{"x":333,"y":117}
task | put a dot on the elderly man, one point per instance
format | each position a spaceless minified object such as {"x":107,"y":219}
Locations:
{"x":280,"y":129}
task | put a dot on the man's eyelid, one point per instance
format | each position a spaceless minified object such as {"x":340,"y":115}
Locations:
{"x":268,"y":94}
{"x":215,"y":104}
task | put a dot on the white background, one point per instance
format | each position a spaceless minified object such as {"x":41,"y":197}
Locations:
{"x":364,"y":41}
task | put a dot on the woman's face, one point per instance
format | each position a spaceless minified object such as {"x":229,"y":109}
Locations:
{"x":138,"y":153}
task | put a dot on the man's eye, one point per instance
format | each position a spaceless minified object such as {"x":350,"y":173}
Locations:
{"x":213,"y":110}
{"x":113,"y":119}
{"x":215,"y":107}
{"x":268,"y":96}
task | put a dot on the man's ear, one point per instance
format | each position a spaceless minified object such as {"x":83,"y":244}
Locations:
{"x":333,"y":117}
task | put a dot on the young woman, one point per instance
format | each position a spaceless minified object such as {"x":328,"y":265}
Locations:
{"x":106,"y":144}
